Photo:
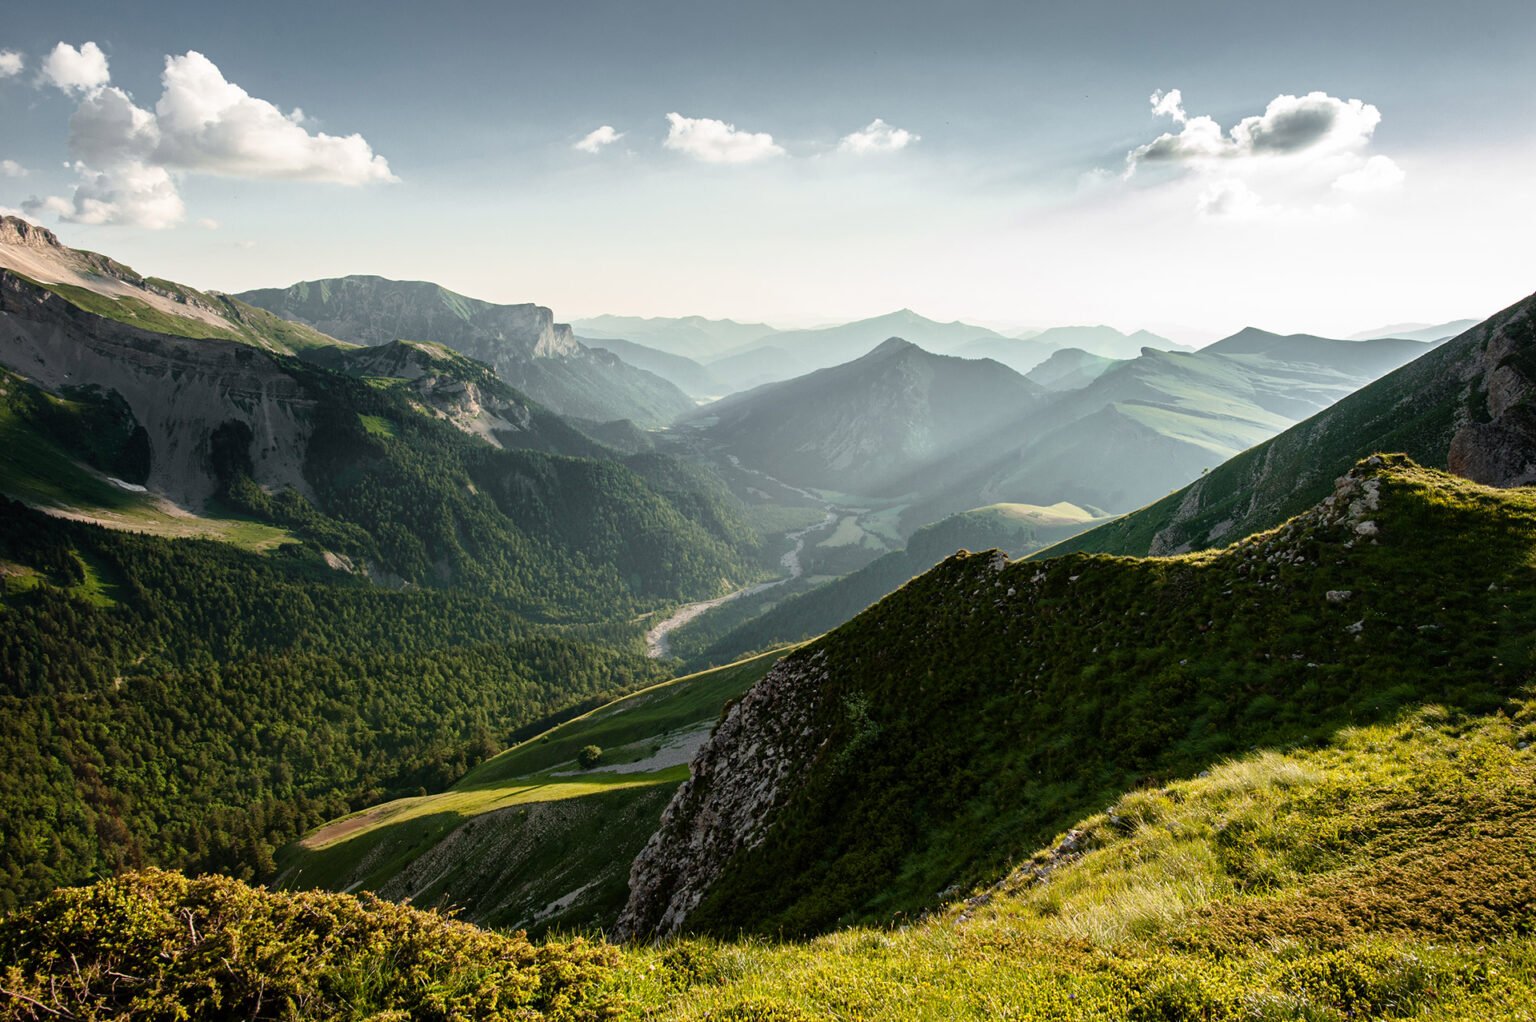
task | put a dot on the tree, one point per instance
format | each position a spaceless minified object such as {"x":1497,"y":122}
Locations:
{"x":589,"y":756}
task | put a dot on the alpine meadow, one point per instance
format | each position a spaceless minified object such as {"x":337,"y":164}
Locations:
{"x":782,"y":512}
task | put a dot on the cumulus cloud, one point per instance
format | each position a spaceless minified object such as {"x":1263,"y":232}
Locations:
{"x":10,"y":168}
{"x":1299,"y":155}
{"x":597,"y":138}
{"x":11,"y":63}
{"x":1314,"y":124}
{"x":75,"y":70}
{"x":878,"y":137}
{"x":712,"y":141}
{"x":1379,"y":174}
{"x":128,"y":158}
{"x":131,"y":192}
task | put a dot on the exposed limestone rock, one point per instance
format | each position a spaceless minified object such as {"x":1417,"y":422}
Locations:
{"x":180,"y":390}
{"x":746,"y":770}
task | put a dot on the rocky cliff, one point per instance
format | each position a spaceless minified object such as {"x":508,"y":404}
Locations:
{"x":741,"y":776}
{"x":179,"y":389}
{"x":521,"y":342}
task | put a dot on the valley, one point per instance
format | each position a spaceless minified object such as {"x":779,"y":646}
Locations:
{"x":729,"y":513}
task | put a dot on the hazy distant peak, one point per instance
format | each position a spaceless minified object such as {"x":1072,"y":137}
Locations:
{"x":893,"y":346}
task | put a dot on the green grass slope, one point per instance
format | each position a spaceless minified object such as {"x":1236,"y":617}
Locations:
{"x":1384,"y":874}
{"x":983,"y":707}
{"x":529,"y":838}
{"x":1419,"y":409}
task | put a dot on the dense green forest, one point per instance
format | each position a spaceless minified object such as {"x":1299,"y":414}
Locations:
{"x":555,"y":536}
{"x":188,"y":704}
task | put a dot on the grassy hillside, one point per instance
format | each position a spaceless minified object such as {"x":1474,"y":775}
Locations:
{"x":963,"y":720}
{"x":1386,"y":873}
{"x":531,"y":838}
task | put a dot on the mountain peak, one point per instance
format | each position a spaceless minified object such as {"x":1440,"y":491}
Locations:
{"x":893,"y":346}
{"x":16,"y":231}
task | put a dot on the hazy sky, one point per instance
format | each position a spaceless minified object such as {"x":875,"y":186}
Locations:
{"x":1322,"y":166}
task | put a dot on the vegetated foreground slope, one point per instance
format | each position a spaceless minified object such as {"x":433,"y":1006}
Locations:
{"x":983,"y":707}
{"x":532,"y":839}
{"x":188,"y":704}
{"x":1466,"y":406}
{"x":522,"y":343}
{"x":1385,"y":873}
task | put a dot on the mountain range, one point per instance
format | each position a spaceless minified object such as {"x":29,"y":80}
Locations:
{"x":860,"y":426}
{"x":364,"y":614}
{"x":522,"y":343}
{"x":1463,"y":406}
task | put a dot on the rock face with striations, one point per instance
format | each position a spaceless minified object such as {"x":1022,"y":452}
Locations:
{"x":179,"y":389}
{"x":522,"y":342}
{"x":739,"y":778}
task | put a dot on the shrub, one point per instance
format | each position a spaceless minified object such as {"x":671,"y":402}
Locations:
{"x":589,"y":756}
{"x":160,"y":945}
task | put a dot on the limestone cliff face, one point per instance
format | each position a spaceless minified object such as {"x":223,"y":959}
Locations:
{"x":522,"y":342}
{"x":746,"y":771}
{"x":180,"y":390}
{"x":448,"y":386}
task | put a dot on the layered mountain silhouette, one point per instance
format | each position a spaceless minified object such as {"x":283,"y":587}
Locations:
{"x":863,"y":426}
{"x":522,"y":343}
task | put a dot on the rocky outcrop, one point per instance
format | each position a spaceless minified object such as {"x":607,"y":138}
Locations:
{"x":1496,"y":443}
{"x":742,"y":775}
{"x":179,"y":389}
{"x":446,"y":385}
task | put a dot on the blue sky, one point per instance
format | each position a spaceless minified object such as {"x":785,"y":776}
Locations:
{"x":1006,"y":199}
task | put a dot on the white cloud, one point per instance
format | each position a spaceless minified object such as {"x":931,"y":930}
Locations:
{"x":10,"y":168}
{"x":1379,"y":174}
{"x":130,"y":192}
{"x":11,"y":63}
{"x":597,"y":138}
{"x":712,"y":141}
{"x":1300,"y":154}
{"x":76,"y":70}
{"x":128,"y":159}
{"x":213,"y":126}
{"x":878,"y":137}
{"x":1315,"y":124}
{"x":1169,"y":104}
{"x":208,"y":223}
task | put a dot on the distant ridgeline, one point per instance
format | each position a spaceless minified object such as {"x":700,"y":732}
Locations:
{"x":1469,"y":406}
{"x":195,"y":704}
